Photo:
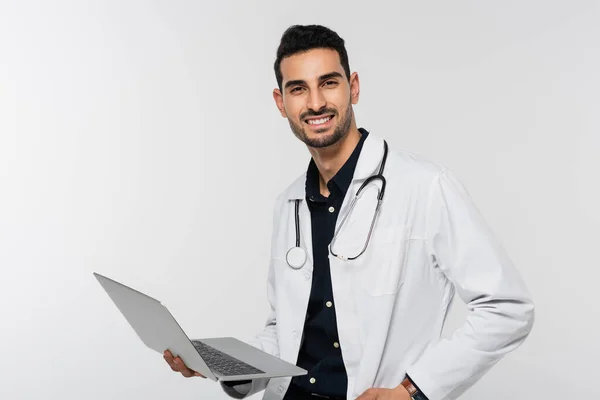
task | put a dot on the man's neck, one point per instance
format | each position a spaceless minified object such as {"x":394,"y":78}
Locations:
{"x":330,"y":159}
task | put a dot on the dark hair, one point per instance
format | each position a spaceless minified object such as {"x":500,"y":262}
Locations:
{"x":301,"y":38}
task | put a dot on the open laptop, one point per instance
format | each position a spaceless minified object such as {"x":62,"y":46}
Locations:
{"x":219,"y":359}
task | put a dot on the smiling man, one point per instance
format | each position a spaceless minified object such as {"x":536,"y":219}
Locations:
{"x":360,"y":300}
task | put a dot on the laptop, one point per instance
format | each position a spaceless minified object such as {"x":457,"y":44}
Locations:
{"x":219,"y":359}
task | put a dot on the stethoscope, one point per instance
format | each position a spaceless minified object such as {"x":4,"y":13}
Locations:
{"x":296,"y":256}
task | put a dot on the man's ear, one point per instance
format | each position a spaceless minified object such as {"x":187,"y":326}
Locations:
{"x":278,"y":97}
{"x":354,"y":88}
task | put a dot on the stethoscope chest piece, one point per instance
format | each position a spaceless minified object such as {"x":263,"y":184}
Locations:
{"x":296,"y":257}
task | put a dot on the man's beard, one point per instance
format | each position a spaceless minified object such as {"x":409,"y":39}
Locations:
{"x":341,"y":129}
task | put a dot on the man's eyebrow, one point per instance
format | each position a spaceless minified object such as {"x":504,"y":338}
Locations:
{"x":321,"y":79}
{"x":294,"y":83}
{"x":329,"y":76}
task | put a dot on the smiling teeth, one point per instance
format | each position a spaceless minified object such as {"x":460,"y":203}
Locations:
{"x":318,"y":121}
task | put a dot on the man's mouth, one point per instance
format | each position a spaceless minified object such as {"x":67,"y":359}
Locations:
{"x":319,"y":121}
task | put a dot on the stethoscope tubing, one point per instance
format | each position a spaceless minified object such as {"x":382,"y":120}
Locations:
{"x":296,"y":256}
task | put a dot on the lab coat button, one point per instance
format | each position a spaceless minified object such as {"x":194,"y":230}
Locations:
{"x":336,"y":345}
{"x":307,"y":275}
{"x":312,"y":380}
{"x":329,"y":304}
{"x":331,"y":209}
{"x":280,"y":389}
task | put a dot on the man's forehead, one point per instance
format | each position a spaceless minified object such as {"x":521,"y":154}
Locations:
{"x":310,"y":65}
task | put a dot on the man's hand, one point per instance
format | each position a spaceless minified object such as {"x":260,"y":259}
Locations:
{"x":177,"y":365}
{"x":398,"y":393}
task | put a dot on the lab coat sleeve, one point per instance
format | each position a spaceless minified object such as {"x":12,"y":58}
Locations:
{"x":501,"y":311}
{"x":266,"y":340}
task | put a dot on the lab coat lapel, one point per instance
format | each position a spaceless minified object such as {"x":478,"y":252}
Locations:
{"x":352,"y":236}
{"x":370,"y":158}
{"x":367,"y":165}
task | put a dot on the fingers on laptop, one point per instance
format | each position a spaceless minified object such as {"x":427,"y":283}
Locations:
{"x":177,"y":365}
{"x":169,"y":359}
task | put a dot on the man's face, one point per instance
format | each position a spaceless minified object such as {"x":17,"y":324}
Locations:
{"x":316,"y":97}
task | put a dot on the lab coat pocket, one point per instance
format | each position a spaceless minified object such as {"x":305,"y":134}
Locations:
{"x":382,"y":270}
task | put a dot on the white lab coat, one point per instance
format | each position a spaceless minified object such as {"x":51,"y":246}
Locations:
{"x":429,"y":242}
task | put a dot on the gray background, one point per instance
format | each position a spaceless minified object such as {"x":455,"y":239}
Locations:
{"x":139,"y":139}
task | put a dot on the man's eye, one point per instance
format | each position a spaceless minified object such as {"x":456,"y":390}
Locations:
{"x":296,"y":89}
{"x":329,"y":83}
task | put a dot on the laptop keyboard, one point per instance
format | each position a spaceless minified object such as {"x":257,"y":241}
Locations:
{"x":223,"y":364}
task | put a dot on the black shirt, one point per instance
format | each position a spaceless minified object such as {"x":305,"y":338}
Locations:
{"x":320,"y":353}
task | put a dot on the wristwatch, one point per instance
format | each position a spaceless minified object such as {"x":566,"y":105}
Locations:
{"x":413,"y":391}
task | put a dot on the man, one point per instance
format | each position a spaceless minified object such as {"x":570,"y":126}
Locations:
{"x":369,"y":327}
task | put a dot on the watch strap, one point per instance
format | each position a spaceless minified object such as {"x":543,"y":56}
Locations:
{"x":413,"y":390}
{"x":408,"y":385}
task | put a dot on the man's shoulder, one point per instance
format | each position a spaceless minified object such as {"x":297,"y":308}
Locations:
{"x":415,"y":166}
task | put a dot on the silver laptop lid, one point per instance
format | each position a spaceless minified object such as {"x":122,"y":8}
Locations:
{"x":154,"y":324}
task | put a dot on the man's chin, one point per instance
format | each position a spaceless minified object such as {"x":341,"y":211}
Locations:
{"x":321,"y":140}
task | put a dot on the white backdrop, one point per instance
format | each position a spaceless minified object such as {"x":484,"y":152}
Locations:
{"x":139,"y":139}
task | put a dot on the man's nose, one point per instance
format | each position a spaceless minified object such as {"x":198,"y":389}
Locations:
{"x":316,"y":100}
